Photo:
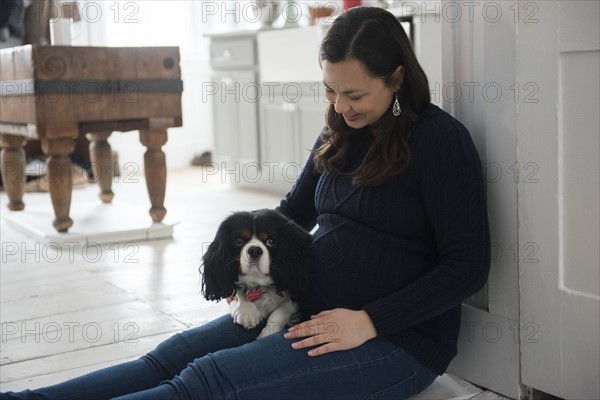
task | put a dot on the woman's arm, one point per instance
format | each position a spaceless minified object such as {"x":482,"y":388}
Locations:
{"x":454,"y":198}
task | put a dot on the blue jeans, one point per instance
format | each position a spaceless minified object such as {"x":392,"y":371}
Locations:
{"x":222,"y":360}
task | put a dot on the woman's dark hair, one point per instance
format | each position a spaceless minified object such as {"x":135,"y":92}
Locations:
{"x":374,"y":37}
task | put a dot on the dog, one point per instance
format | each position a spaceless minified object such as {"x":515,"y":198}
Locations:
{"x":264,"y":260}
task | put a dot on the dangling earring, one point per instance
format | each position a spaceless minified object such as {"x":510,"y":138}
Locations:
{"x":396,"y":109}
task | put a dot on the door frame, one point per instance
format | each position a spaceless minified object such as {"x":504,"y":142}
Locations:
{"x":479,"y":90}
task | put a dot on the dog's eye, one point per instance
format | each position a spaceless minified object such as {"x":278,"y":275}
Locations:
{"x":239,"y":241}
{"x":270,"y":242}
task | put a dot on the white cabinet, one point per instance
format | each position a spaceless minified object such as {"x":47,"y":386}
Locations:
{"x":235,"y":117}
{"x":289,"y":129}
{"x":293,"y":114}
{"x":266,"y":118}
{"x":233,"y":92}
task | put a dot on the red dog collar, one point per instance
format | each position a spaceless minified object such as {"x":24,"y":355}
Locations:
{"x":253,"y":295}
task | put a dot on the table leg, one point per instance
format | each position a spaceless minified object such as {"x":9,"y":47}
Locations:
{"x":12,"y":163}
{"x":60,"y":179}
{"x":155,"y":169}
{"x":101,"y":157}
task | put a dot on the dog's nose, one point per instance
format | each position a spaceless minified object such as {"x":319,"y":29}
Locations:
{"x":255,"y":252}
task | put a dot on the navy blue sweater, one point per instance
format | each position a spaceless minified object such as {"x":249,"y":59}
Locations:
{"x":407,"y":251}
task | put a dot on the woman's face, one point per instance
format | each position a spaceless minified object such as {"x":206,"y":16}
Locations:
{"x":361,"y":98}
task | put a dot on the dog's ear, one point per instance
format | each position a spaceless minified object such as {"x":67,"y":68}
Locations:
{"x":293,"y":260}
{"x":219,"y":268}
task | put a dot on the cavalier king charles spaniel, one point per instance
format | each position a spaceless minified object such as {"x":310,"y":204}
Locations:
{"x":264,"y":260}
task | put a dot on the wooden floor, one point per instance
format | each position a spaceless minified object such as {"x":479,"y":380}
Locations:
{"x":67,"y":312}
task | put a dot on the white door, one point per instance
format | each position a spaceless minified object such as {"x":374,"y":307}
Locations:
{"x":478,"y":87}
{"x":558,"y":210}
{"x":523,"y":77}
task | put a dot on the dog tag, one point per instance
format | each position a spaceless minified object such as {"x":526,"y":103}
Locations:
{"x":253,"y":295}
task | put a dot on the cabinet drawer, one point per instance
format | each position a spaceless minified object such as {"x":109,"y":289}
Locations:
{"x":232,"y":53}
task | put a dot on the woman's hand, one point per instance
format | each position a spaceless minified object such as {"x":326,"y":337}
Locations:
{"x":334,"y":330}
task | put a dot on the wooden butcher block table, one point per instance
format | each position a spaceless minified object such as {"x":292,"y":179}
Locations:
{"x":55,"y":93}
